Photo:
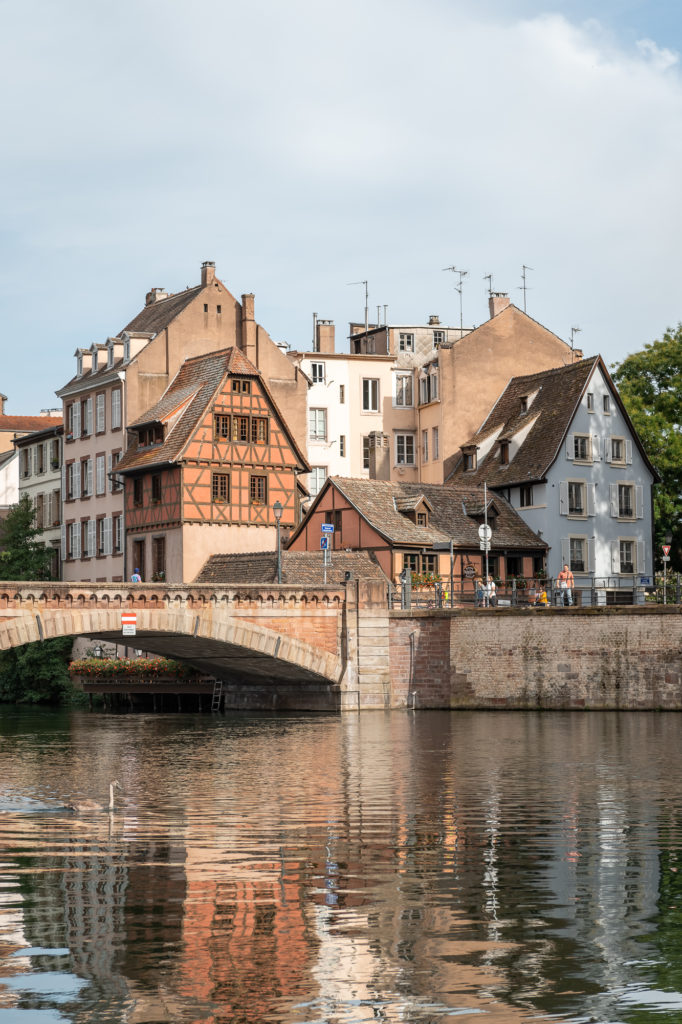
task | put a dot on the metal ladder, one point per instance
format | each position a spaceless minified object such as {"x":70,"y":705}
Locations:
{"x":217,"y":694}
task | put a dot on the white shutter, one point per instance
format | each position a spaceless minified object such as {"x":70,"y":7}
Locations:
{"x":109,"y":465}
{"x":591,"y":499}
{"x":64,"y":493}
{"x":88,"y":415}
{"x":628,"y":452}
{"x":590,"y":555}
{"x":106,"y":526}
{"x":639,"y":501}
{"x":63,"y":551}
{"x":615,"y":556}
{"x":640,"y":567}
{"x":100,"y":413}
{"x":76,"y":540}
{"x":563,"y":498}
{"x":36,"y":462}
{"x":88,"y":475}
{"x":100,"y":474}
{"x":613,"y":497}
{"x":607,"y":449}
{"x":92,"y":537}
{"x":565,"y":552}
{"x":570,"y":447}
{"x":596,"y":448}
{"x":47,"y":512}
{"x":76,"y":419}
{"x":76,"y":471}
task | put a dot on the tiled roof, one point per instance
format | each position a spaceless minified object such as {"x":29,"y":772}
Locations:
{"x":157,"y":315}
{"x":550,"y":413}
{"x":299,"y":568}
{"x":455,"y":513}
{"x":28,"y":423}
{"x":199,"y":377}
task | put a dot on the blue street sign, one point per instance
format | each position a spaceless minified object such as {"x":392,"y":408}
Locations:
{"x":327,"y":528}
{"x":645,"y":581}
{"x":324,"y":543}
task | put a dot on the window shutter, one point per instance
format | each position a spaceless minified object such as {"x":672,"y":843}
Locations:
{"x":107,"y":535}
{"x":76,"y":471}
{"x":76,"y":419}
{"x":591,"y":499}
{"x":76,"y":540}
{"x":641,"y":557}
{"x":563,"y":498}
{"x":49,"y":518}
{"x":590,"y":555}
{"x":565,"y":552}
{"x":639,"y":501}
{"x":100,"y":474}
{"x":596,"y":448}
{"x":63,"y":542}
{"x":615,"y":556}
{"x":88,"y":415}
{"x":109,"y":468}
{"x":607,"y":449}
{"x":628,"y":452}
{"x":570,"y":447}
{"x":613,"y":493}
{"x":88,"y":473}
{"x":92,"y":537}
{"x":35,"y":461}
{"x":64,"y":492}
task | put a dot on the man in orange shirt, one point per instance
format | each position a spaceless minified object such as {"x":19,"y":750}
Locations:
{"x":566,"y":584}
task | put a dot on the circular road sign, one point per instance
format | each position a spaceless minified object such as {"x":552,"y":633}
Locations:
{"x":469,"y":571}
{"x":484,"y":531}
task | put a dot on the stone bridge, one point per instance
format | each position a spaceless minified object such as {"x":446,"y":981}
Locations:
{"x":283,"y":646}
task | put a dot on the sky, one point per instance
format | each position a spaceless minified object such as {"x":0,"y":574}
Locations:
{"x":303,"y":146}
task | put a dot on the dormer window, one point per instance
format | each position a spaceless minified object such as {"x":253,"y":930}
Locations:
{"x":469,"y":459}
{"x":126,"y":350}
{"x":504,"y":453}
{"x":110,"y":356}
{"x":150,"y":435}
{"x":524,"y":403}
{"x":79,"y":364}
{"x":422,"y":518}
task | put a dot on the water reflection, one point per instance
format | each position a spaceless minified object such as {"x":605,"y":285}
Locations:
{"x":398,"y":867}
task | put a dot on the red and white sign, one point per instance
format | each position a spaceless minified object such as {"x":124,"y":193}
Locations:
{"x":128,"y":623}
{"x":666,"y":549}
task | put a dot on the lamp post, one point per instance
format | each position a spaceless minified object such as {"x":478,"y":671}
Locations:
{"x":277,"y":509}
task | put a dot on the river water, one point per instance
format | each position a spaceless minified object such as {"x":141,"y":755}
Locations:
{"x":399,"y":867}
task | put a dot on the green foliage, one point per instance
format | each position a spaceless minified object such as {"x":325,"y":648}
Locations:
{"x":37,"y":673}
{"x":22,"y":555}
{"x":650,"y":384}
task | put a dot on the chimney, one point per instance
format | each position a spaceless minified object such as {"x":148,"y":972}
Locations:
{"x":249,"y":345}
{"x":324,"y":336}
{"x":3,"y":399}
{"x":379,"y":456}
{"x":155,"y":295}
{"x":207,"y":273}
{"x":497,"y":302}
{"x":434,"y":320}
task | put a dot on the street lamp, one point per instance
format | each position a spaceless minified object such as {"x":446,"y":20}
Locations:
{"x":99,"y":652}
{"x":277,"y":509}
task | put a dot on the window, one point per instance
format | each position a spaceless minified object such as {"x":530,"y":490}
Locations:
{"x":39,"y":459}
{"x":365,"y":452}
{"x":342,"y":394}
{"x":429,"y":563}
{"x":79,"y":365}
{"x":581,"y":448}
{"x":86,"y":413}
{"x":514,"y":565}
{"x":137,"y":491}
{"x":469,"y":459}
{"x":156,"y":489}
{"x":89,"y":527}
{"x":618,"y":449}
{"x":411,"y":562}
{"x":317,"y":372}
{"x":318,"y":476}
{"x":242,"y":386}
{"x":104,"y":543}
{"x":100,"y":475}
{"x":525,"y":496}
{"x":524,"y":403}
{"x":75,"y":540}
{"x":504,"y":453}
{"x":117,"y":482}
{"x":56,"y":507}
{"x":403,"y":390}
{"x":126,"y":350}
{"x":422,"y":519}
{"x":626,"y":505}
{"x":406,"y":342}
{"x":221,"y":427}
{"x":627,"y":556}
{"x":86,"y":478}
{"x":438,"y":338}
{"x":259,"y":430}
{"x":219,"y":309}
{"x":577,"y":554}
{"x":206,"y":307}
{"x":240,"y":429}
{"x":73,"y":489}
{"x":55,"y":455}
{"x":342,"y":445}
{"x":115,"y":409}
{"x":404,"y":449}
{"x":118,"y":534}
{"x":25,"y":462}
{"x":576,"y":498}
{"x":425,"y":446}
{"x":259,"y":490}
{"x":433,"y":380}
{"x":424,"y":391}
{"x":158,"y":558}
{"x":39,"y":505}
{"x":370,"y":395}
{"x":317,"y":421}
{"x":607,"y":404}
{"x":99,"y":412}
{"x":435,"y":443}
{"x":110,"y":356}
{"x":220,"y":488}
{"x":590,"y":402}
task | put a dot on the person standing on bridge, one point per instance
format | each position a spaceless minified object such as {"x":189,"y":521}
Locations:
{"x":136,"y":578}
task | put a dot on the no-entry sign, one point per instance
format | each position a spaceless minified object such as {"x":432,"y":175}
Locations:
{"x":128,"y":623}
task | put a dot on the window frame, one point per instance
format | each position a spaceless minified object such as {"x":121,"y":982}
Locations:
{"x":317,"y":413}
{"x":370,"y":395}
{"x":405,"y":438}
{"x":220,"y":488}
{"x":406,"y":341}
{"x":258,"y":483}
{"x":403,"y":382}
{"x":317,"y":372}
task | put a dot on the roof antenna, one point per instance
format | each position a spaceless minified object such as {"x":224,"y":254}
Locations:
{"x":366,"y":302}
{"x":489,"y":278}
{"x":574,"y":331}
{"x":524,"y":287}
{"x":458,"y":288}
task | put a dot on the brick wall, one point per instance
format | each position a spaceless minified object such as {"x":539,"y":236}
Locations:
{"x":607,"y":658}
{"x":320,"y":630}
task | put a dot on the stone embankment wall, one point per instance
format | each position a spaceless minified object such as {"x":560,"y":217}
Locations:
{"x":601,"y":658}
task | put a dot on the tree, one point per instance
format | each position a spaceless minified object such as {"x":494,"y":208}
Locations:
{"x":34,"y":672}
{"x":650,"y":384}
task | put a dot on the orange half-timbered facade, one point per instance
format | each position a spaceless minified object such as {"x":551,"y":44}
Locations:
{"x":204,"y":469}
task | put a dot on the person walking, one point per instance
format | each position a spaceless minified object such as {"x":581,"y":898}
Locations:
{"x":491,"y":592}
{"x":479,"y":591}
{"x":136,"y":578}
{"x":566,"y":584}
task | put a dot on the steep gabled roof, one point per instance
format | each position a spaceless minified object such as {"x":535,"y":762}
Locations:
{"x":299,"y":568}
{"x":455,"y":513}
{"x":157,"y":315}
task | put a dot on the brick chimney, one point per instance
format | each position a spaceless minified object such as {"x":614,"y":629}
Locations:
{"x":324,"y":336}
{"x":497,"y":302}
{"x":207,"y":273}
{"x":379,"y":456}
{"x":249,"y":345}
{"x":155,"y":295}
{"x":3,"y":399}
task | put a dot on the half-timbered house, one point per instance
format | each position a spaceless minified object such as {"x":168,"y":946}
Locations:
{"x":205,"y":467}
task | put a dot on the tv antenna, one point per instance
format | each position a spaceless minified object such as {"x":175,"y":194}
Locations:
{"x":489,"y":279}
{"x":458,"y":288}
{"x":574,"y":331}
{"x":524,"y":287}
{"x":366,"y":301}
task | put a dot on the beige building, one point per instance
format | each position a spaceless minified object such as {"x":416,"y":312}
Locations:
{"x":400,"y":404}
{"x":115,"y":382}
{"x":40,"y":477}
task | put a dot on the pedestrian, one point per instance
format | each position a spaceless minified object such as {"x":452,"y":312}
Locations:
{"x":566,"y":583}
{"x":479,"y":591}
{"x":491,"y":591}
{"x":541,"y":599}
{"x":136,"y":578}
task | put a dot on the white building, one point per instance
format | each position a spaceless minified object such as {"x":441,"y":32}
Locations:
{"x":39,"y":461}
